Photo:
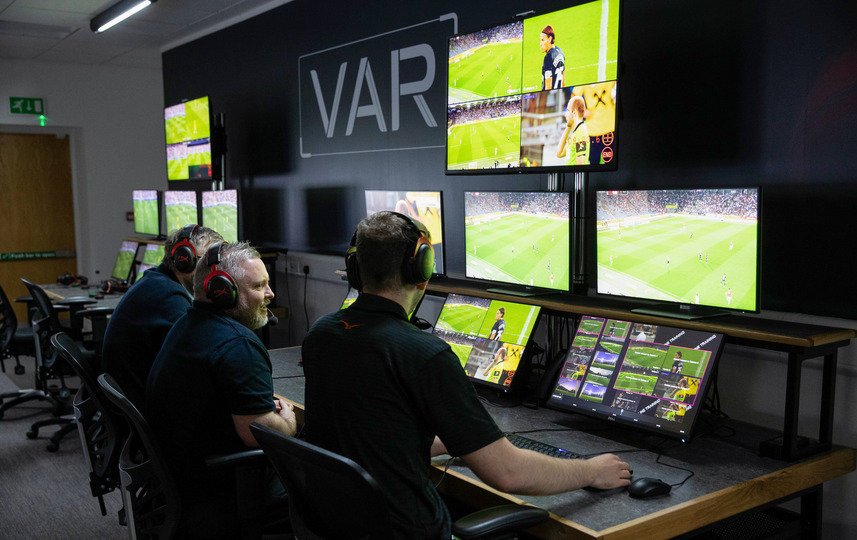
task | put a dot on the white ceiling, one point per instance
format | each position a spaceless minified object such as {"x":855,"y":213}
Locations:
{"x":58,"y":30}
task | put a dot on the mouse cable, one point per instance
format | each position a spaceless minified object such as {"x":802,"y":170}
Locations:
{"x":686,"y":478}
{"x":445,"y":467}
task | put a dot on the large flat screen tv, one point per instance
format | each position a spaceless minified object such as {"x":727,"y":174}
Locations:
{"x":689,"y":247}
{"x":147,"y":214}
{"x":649,"y":376}
{"x":424,"y":206}
{"x":220,"y":212}
{"x":537,"y":95}
{"x":519,"y":238}
{"x":180,"y":209}
{"x":188,"y":138}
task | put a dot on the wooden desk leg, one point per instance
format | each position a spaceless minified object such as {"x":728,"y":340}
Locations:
{"x":810,"y":513}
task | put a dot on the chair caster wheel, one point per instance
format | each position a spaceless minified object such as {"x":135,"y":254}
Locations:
{"x":32,"y":434}
{"x":19,"y":370}
{"x":52,"y":447}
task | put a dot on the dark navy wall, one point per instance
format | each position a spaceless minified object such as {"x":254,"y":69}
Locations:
{"x":712,"y":94}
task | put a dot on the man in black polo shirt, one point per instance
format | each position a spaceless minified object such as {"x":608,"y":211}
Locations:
{"x":385,"y":394}
{"x":141,"y":320}
{"x":212,"y":378}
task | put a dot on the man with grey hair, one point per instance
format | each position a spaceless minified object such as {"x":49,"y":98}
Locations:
{"x":140,"y":322}
{"x":212,"y":379}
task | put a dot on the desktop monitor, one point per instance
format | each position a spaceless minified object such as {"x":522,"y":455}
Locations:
{"x":349,"y":298}
{"x":520,"y":238}
{"x":649,"y":376}
{"x":220,"y":212}
{"x":424,"y":206}
{"x":188,"y":140}
{"x":691,"y":247}
{"x":180,"y":209}
{"x":124,"y":261}
{"x":147,"y":216}
{"x":488,"y":336}
{"x":535,"y":95}
{"x":152,"y":257}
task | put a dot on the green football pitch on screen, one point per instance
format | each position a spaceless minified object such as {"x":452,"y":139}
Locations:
{"x":223,"y":219}
{"x":492,"y":70}
{"x":122,"y":268}
{"x":480,"y":145}
{"x":462,"y":318}
{"x":146,"y":216}
{"x":520,"y":320}
{"x":179,"y":215}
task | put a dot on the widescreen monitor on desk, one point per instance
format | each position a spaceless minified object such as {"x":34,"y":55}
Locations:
{"x":124,"y":260}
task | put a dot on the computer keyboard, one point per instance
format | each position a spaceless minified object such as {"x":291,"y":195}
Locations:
{"x":540,"y":447}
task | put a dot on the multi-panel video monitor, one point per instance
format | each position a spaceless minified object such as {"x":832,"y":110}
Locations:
{"x":124,"y":260}
{"x":521,"y":238}
{"x":535,"y":95}
{"x":350,"y":298}
{"x":147,"y":215}
{"x":220,"y":212}
{"x":152,"y":257}
{"x":180,"y":209}
{"x":188,"y":136}
{"x":424,"y":206}
{"x":650,"y":376}
{"x":687,"y":246}
{"x":488,"y":336}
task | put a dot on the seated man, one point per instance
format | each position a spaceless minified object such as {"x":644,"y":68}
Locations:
{"x":212,"y":378}
{"x":385,"y":394}
{"x":140,"y":323}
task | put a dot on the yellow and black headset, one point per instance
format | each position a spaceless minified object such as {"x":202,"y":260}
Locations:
{"x":219,"y":286}
{"x":183,"y":254}
{"x":416,"y":268}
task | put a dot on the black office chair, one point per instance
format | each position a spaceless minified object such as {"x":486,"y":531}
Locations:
{"x":101,"y":426}
{"x":331,"y":496}
{"x":153,"y":505}
{"x":42,"y":302}
{"x":14,"y":341}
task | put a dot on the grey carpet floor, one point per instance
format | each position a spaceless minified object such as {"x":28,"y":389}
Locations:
{"x":42,"y":494}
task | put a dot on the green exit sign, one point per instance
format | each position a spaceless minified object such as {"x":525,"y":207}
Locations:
{"x":26,"y":105}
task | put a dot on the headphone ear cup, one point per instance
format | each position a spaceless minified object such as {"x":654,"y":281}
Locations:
{"x":184,"y":259}
{"x":221,"y":290}
{"x":351,"y":270}
{"x":420,"y":267}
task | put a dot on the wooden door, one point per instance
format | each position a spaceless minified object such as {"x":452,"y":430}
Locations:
{"x":36,"y":210}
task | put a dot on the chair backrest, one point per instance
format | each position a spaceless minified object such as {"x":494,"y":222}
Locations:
{"x":149,"y":492}
{"x":44,"y":306}
{"x":330,"y":496}
{"x":8,"y":322}
{"x":102,"y":428}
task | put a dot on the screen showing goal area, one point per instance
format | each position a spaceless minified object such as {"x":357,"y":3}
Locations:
{"x":520,"y":238}
{"x":152,"y":257}
{"x":650,"y":376}
{"x":220,"y":212}
{"x":690,"y":246}
{"x":535,"y":95}
{"x":124,"y":260}
{"x":180,"y":209}
{"x":188,"y":140}
{"x":488,"y":336}
{"x":424,"y":206}
{"x":147,"y":219}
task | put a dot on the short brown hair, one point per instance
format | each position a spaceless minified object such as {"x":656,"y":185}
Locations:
{"x":548,"y":31}
{"x":384,"y":241}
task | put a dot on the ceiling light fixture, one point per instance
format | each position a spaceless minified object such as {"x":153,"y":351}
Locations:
{"x":117,"y":13}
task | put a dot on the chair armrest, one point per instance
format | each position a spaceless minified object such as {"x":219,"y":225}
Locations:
{"x":247,"y":457}
{"x":96,"y":312}
{"x":77,"y":301}
{"x":498,"y":520}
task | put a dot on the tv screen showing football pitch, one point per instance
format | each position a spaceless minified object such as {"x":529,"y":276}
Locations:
{"x":489,"y":337}
{"x":220,"y":212}
{"x":520,"y":238}
{"x":124,"y":260}
{"x":649,"y":376}
{"x":146,"y":216}
{"x":180,"y":209}
{"x":690,"y":246}
{"x":188,"y":140}
{"x":537,"y":94}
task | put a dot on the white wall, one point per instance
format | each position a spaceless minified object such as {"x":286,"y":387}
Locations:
{"x":115,"y":118}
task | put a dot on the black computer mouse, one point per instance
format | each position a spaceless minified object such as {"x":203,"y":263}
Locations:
{"x":643,"y":488}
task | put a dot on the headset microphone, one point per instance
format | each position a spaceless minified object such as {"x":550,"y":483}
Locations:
{"x":272,"y":319}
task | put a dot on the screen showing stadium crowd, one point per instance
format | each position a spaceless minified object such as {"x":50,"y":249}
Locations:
{"x":740,"y":203}
{"x":467,"y":44}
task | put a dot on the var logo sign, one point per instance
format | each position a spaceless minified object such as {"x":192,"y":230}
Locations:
{"x":380,"y":93}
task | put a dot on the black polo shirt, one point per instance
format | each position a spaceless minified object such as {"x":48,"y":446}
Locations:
{"x":210,"y":367}
{"x":138,"y":327}
{"x":378,"y":390}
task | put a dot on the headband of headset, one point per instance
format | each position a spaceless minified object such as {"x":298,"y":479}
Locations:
{"x":219,"y":287}
{"x":183,"y":254}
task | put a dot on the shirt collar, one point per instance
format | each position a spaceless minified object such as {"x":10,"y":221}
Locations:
{"x":372,"y":302}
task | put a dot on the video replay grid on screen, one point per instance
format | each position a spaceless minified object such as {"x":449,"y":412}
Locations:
{"x":180,"y":209}
{"x":424,"y":206}
{"x":535,"y":93}
{"x":520,"y":238}
{"x":488,"y":336}
{"x":691,"y":246}
{"x":146,"y":215}
{"x":188,"y":138}
{"x":220,"y":212}
{"x":651,"y":376}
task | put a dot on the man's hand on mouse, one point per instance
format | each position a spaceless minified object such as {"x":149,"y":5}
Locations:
{"x":607,"y":471}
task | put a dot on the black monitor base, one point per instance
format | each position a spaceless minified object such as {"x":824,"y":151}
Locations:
{"x":498,"y":398}
{"x":686,"y":312}
{"x":516,"y":292}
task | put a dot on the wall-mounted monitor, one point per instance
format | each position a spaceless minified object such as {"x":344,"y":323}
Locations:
{"x":424,"y":206}
{"x":535,"y":95}
{"x":147,"y":214}
{"x":519,"y":238}
{"x":488,"y":336}
{"x":220,"y":212}
{"x":649,"y":376}
{"x":188,"y":138}
{"x":689,"y":247}
{"x":124,"y":261}
{"x":180,"y":209}
{"x":152,"y":257}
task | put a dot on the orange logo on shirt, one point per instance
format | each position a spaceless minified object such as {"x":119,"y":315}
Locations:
{"x":349,"y":326}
